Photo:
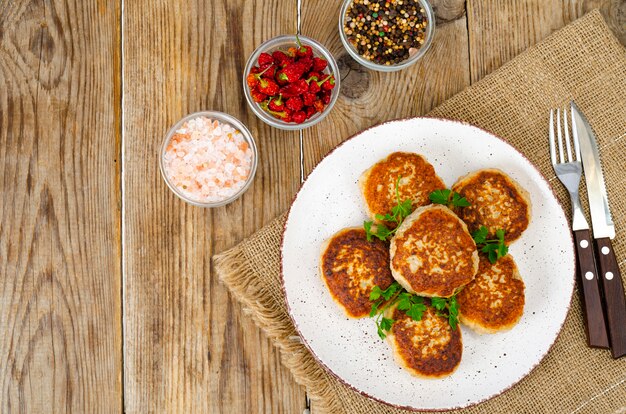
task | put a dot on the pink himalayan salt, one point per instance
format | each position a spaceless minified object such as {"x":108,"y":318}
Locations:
{"x":208,"y":161}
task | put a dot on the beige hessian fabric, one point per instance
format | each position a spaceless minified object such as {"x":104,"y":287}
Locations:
{"x":582,"y":61}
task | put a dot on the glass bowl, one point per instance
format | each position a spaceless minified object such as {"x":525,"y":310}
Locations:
{"x":223,"y":118}
{"x":283,"y":43}
{"x":430,"y":32}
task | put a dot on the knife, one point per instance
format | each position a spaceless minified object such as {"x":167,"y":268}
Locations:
{"x":603,"y":232}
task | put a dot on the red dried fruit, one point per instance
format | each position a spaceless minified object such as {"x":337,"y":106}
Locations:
{"x":326,"y":97}
{"x":265,"y":59}
{"x":310,"y":110}
{"x":329,"y":84}
{"x":294,"y":89}
{"x":319,"y":64}
{"x":258,"y":96}
{"x":295,"y":103}
{"x":280,"y":115}
{"x":268,"y":87}
{"x":268,"y":71}
{"x":291,"y":73}
{"x":251,"y":80}
{"x":308,"y":98}
{"x":313,"y":75}
{"x":254,"y":77}
{"x":319,"y":105}
{"x":277,"y":104}
{"x":280,"y":58}
{"x":299,"y":117}
{"x":314,"y":87}
{"x":307,"y":62}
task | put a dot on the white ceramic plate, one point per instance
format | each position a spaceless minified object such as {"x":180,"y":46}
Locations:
{"x":350,"y":349}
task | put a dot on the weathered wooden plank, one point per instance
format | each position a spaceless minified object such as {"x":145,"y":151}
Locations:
{"x":369,"y":97}
{"x":188,"y":346}
{"x":499,"y":31}
{"x":60,"y":301}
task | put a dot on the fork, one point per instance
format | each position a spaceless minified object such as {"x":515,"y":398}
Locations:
{"x":569,"y":174}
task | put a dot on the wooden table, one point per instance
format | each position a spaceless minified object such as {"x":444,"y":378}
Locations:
{"x":108,"y":301}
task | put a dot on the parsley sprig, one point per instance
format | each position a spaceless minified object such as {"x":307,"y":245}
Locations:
{"x":412,"y":305}
{"x":495,"y":248}
{"x":448,"y":198}
{"x":448,"y":308}
{"x":398,"y":213}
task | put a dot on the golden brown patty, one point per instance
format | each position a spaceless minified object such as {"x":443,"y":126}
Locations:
{"x":427,"y":348}
{"x":497,"y":202}
{"x":378,"y":183}
{"x":494,"y":300}
{"x":432,"y":253}
{"x":351,"y":266}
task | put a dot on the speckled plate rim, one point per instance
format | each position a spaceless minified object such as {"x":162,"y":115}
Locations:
{"x":570,"y":291}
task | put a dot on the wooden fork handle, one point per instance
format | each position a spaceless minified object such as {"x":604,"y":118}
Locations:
{"x":591,"y":299}
{"x":613,"y":295}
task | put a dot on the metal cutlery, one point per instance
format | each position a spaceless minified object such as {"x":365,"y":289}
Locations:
{"x":603,"y":232}
{"x":569,"y":173}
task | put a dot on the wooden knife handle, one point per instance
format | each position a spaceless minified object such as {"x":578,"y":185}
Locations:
{"x":590,"y":291}
{"x":613,"y":295}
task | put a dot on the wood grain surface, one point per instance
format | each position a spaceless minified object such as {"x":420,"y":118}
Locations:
{"x":188,"y":347}
{"x":60,"y":250}
{"x":108,"y":301}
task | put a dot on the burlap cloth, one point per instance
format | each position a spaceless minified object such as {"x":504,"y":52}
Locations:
{"x":582,"y":61}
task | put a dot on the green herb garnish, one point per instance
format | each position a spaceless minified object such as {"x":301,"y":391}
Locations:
{"x":495,"y":248}
{"x":448,"y":198}
{"x":447,"y":307}
{"x":398,"y":213}
{"x":412,"y":305}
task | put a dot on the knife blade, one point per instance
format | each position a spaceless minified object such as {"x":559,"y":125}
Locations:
{"x":596,"y":190}
{"x":603,"y":232}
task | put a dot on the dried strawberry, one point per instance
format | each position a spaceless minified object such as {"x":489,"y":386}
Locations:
{"x":319,"y":105}
{"x":258,"y":96}
{"x":291,"y":73}
{"x":308,"y":98}
{"x":310,"y":110}
{"x":277,"y":104}
{"x":295,"y":103}
{"x":319,"y":64}
{"x":268,"y":87}
{"x":294,"y":89}
{"x":265,"y":59}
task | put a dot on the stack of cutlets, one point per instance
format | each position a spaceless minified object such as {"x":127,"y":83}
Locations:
{"x":432,"y":254}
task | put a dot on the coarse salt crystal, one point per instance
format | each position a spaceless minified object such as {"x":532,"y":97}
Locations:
{"x":207,"y":161}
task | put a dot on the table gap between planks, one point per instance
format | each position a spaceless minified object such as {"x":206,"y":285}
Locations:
{"x":108,"y":302}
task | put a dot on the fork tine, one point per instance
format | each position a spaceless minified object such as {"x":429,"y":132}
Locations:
{"x":575,"y":135}
{"x":559,"y":135}
{"x":567,"y":136}
{"x":552,"y":149}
